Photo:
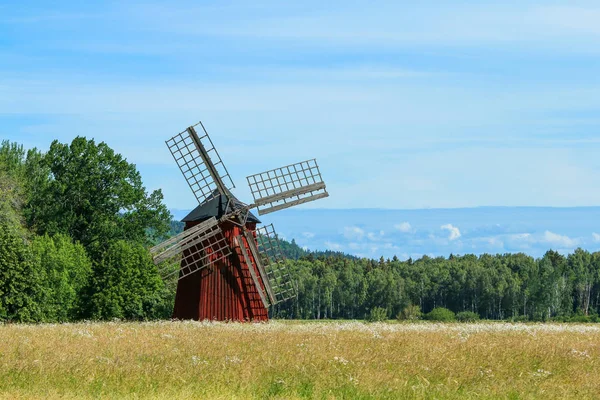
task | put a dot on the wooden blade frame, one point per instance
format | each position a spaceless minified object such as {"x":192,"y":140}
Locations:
{"x":200,"y":164}
{"x":193,"y":249}
{"x":287,"y":186}
{"x":239,"y":242}
{"x":271,"y":255}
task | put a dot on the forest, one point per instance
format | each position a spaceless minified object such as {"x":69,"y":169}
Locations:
{"x":76,"y":223}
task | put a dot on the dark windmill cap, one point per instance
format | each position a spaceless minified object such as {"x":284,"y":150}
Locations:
{"x":216,"y":208}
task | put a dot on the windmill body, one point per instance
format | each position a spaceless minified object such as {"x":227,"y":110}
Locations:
{"x":224,"y":290}
{"x":225,"y":267}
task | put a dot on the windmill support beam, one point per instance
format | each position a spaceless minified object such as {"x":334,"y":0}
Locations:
{"x":212,"y":170}
{"x":292,"y":203}
{"x":290,"y":193}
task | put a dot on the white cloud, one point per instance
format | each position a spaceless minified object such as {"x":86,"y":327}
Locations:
{"x":404,"y":227}
{"x":495,"y":242}
{"x":353,"y":233}
{"x":596,"y":237}
{"x":376,"y":237}
{"x":520,"y":236}
{"x":308,"y":235}
{"x":453,"y":230}
{"x":333,"y":246}
{"x":560,"y":241}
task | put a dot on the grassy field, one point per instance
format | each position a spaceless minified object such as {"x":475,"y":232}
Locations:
{"x":300,"y":360}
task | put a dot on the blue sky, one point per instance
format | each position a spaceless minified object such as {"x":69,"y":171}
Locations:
{"x":373,"y":233}
{"x":405,"y":106}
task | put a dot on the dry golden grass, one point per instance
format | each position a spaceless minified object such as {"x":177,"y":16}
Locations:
{"x":299,"y":360}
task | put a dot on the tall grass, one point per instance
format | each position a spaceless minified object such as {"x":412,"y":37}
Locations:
{"x":299,"y":360}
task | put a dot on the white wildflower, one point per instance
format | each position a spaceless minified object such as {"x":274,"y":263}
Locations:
{"x":486,"y":372}
{"x":233,"y":360}
{"x":541,"y":373}
{"x":197,"y":361}
{"x":340,"y":360}
{"x":580,"y":354}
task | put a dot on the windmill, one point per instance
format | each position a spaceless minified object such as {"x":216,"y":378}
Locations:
{"x":224,"y":267}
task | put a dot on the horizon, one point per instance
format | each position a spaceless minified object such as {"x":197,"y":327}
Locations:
{"x":372,"y":233}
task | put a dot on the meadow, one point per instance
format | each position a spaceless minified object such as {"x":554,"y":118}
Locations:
{"x":289,"y":360}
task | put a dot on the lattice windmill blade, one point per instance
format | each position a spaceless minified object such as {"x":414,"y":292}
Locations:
{"x":200,"y":163}
{"x":252,"y":245}
{"x":241,"y":246}
{"x":271,"y":255}
{"x":193,"y":249}
{"x":287,"y":186}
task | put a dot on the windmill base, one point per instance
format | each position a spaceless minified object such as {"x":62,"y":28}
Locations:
{"x":223,"y":291}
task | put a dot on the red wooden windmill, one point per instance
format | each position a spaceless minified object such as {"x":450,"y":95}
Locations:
{"x":229,"y":270}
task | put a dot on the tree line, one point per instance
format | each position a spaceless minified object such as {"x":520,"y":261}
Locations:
{"x":497,"y":287}
{"x":76,"y":223}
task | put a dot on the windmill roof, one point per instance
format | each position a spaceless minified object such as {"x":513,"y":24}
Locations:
{"x":216,"y":208}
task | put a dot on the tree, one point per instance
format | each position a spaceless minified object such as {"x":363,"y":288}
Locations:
{"x":126,"y":285}
{"x":11,"y":184}
{"x":580,"y":263}
{"x":19,"y":279}
{"x":87,"y":191}
{"x":65,"y":270}
{"x":12,"y":156}
{"x":10,"y":201}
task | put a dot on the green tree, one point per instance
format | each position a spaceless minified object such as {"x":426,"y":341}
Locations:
{"x":19,"y":279}
{"x":126,"y":285}
{"x":10,"y":201}
{"x":440,"y":314}
{"x":580,"y":263}
{"x":89,"y":192}
{"x":11,"y":184}
{"x":12,"y":156}
{"x":65,"y":270}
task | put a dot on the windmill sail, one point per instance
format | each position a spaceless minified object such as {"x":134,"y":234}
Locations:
{"x":200,"y":163}
{"x":272,"y":258}
{"x":192,"y":250}
{"x":287,"y":186}
{"x":259,"y":265}
{"x":239,"y":242}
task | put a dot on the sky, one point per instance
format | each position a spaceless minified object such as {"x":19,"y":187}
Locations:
{"x":373,"y":233}
{"x":405,"y":105}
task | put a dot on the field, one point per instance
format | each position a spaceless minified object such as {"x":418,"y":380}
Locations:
{"x":300,"y":360}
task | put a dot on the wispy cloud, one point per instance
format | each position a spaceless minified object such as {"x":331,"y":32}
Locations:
{"x":391,"y":24}
{"x":454,"y":232}
{"x":353,"y":233}
{"x":333,"y":246}
{"x":373,"y":236}
{"x":560,"y":241}
{"x":403,"y":227}
{"x":596,"y":237}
